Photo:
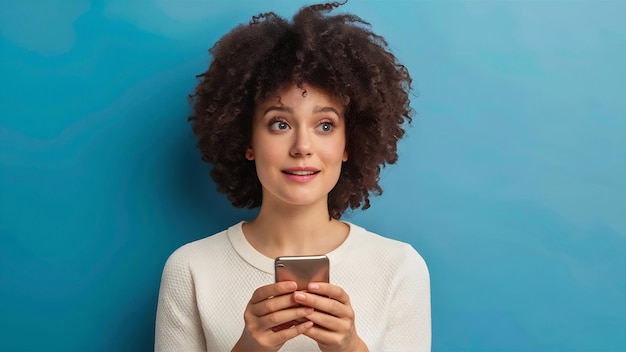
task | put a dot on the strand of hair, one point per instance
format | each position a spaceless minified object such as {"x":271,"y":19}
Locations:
{"x":262,"y":16}
{"x":327,"y":6}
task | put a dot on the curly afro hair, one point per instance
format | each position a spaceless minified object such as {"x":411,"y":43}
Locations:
{"x":337,"y":53}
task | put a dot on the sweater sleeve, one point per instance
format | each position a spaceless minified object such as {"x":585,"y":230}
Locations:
{"x":178,"y":326}
{"x":409,"y":327}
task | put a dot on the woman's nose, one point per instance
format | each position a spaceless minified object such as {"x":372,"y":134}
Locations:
{"x":302,"y":144}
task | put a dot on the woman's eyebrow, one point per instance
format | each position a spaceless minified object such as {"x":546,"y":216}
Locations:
{"x":279,"y":108}
{"x":318,"y":109}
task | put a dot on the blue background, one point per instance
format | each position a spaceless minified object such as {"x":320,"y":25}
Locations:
{"x":511,"y":182}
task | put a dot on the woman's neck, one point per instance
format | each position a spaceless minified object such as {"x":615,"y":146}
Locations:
{"x":279,"y":231}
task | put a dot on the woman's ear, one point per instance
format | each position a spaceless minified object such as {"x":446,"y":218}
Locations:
{"x":249,"y":153}
{"x":345,"y":156}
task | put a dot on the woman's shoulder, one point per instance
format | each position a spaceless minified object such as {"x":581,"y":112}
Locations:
{"x":374,"y":240}
{"x":375,"y":245}
{"x":217,"y":243}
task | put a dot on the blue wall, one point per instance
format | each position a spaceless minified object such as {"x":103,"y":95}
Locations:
{"x":511,"y":183}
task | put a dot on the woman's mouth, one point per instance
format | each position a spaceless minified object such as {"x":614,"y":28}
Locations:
{"x":300,"y":174}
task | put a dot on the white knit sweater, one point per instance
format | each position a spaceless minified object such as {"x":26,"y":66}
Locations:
{"x":207,"y":284}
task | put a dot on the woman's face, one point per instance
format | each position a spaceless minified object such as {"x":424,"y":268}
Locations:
{"x":298,"y":145}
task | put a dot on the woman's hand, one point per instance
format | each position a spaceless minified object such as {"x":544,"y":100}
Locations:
{"x":270,"y":309}
{"x":334,"y":328}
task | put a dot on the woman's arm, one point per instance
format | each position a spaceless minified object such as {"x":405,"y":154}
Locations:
{"x":178,"y":326}
{"x":409,"y":327}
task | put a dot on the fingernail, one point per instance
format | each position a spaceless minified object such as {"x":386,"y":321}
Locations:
{"x":314,"y":287}
{"x":299,"y":297}
{"x":291,"y":286}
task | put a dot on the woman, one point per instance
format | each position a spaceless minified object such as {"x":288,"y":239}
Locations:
{"x":298,"y":118}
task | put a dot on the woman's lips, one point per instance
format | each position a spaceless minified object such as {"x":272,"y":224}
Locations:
{"x":305,"y":174}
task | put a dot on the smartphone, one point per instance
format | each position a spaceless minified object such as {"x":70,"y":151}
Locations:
{"x":302,"y":269}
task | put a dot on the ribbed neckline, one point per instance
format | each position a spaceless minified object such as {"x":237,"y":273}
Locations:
{"x":266,"y":264}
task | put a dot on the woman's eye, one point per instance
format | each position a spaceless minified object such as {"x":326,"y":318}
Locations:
{"x":325,"y":126}
{"x":279,"y":126}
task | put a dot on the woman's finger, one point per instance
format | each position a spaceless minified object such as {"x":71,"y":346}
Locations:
{"x":326,"y":337}
{"x":277,"y":289}
{"x":284,"y":318}
{"x":324,"y":304}
{"x":279,"y":337}
{"x":272,"y":304}
{"x":329,"y":322}
{"x":329,"y":290}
